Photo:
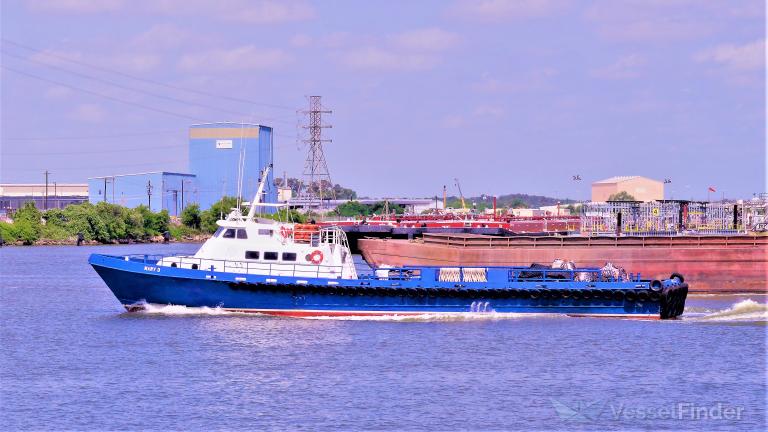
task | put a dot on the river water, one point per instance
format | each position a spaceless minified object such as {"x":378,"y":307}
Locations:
{"x":73,"y":360}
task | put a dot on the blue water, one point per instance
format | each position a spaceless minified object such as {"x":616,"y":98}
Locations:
{"x":73,"y":360}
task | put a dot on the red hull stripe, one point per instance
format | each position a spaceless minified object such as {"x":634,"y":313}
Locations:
{"x":302,"y":313}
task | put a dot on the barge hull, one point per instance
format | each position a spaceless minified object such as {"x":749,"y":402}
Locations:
{"x":710,"y":264}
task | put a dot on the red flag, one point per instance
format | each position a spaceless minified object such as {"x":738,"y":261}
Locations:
{"x":711,"y":189}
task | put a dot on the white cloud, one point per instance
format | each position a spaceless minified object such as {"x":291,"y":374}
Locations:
{"x":133,"y":61}
{"x":266,"y":12}
{"x":746,"y":57}
{"x":88,"y":113}
{"x":245,"y":11}
{"x":428,"y":39}
{"x":660,"y":21}
{"x":301,"y":40}
{"x":387,"y":59}
{"x":162,"y":36}
{"x":76,"y":6}
{"x":536,"y":79}
{"x":128,"y":61}
{"x":414,"y":50}
{"x":454,"y":121}
{"x":242,"y":58}
{"x":625,"y":67}
{"x":58,"y":92}
{"x":330,"y":40}
{"x":505,"y":10}
{"x":488,"y":111}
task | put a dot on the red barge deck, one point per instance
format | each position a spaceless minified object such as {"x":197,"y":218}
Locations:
{"x":711,"y":264}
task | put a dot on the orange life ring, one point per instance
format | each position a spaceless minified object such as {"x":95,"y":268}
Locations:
{"x":316,"y":257}
{"x":285,"y":231}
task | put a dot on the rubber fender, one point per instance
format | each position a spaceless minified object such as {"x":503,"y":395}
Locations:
{"x":618,"y":295}
{"x":677,"y":276}
{"x":630,"y":295}
{"x":642,"y":296}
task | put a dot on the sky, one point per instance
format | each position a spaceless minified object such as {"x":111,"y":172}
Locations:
{"x":506,"y":96}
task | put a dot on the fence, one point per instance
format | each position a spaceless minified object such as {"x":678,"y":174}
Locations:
{"x":663,"y":218}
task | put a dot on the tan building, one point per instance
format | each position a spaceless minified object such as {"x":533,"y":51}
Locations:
{"x":642,"y":188}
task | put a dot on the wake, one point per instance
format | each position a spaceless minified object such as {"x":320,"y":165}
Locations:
{"x":744,"y":311}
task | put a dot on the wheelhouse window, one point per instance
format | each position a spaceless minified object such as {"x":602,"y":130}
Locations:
{"x":241,"y":234}
{"x":253,"y":255}
{"x":270,"y":256}
{"x":267,"y":232}
{"x":289,"y":256}
{"x":230,"y":233}
{"x":218,"y":232}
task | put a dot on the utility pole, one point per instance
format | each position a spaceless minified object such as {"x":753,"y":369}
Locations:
{"x":149,"y":194}
{"x":56,"y":195}
{"x":182,"y":194}
{"x":315,"y":168}
{"x":105,"y":189}
{"x":45,"y":199}
{"x":445,"y":197}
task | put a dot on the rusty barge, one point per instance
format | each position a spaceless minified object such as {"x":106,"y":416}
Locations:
{"x":712,"y":264}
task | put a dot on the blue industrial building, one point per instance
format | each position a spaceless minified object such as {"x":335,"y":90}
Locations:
{"x":158,"y":190}
{"x":215,"y":151}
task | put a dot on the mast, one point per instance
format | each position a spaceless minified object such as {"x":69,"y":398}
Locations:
{"x":257,"y":199}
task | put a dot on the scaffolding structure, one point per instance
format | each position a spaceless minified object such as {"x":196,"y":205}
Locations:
{"x":663,"y":218}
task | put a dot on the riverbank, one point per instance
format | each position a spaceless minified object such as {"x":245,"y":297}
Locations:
{"x":72,"y":241}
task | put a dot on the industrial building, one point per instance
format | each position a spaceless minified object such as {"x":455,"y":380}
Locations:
{"x":157,"y":190}
{"x":53,"y":195}
{"x":641,"y":188}
{"x":215,"y":153}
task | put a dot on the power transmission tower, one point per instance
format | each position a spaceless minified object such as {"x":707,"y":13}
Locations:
{"x":315,"y":168}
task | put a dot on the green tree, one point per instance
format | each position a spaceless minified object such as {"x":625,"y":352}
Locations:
{"x":621,"y":196}
{"x":218,"y":210}
{"x":379,"y":207}
{"x":353,"y":208}
{"x":154,"y":223}
{"x":27,"y":223}
{"x":191,"y":216}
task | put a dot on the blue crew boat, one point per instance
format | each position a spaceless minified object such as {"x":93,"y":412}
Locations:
{"x":300,"y":270}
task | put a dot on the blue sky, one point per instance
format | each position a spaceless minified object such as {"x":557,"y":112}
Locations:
{"x":508,"y":96}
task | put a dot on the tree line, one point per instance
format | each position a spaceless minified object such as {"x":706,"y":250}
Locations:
{"x":110,"y":223}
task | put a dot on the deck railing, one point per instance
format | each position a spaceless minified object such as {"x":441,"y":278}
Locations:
{"x":233,"y":266}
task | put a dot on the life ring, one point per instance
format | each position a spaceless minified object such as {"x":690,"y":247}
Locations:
{"x":285,"y":231}
{"x":316,"y":257}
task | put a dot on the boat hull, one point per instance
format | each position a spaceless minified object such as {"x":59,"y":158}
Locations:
{"x":136,"y":283}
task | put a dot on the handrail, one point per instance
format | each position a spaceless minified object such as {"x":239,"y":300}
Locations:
{"x":247,"y":266}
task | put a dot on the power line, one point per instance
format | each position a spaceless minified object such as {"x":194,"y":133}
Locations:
{"x":162,"y":111}
{"x":147,"y":80}
{"x":73,"y":152}
{"x":134,"y":89}
{"x":88,"y":137}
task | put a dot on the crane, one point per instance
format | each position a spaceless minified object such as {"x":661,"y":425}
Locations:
{"x":461,"y":195}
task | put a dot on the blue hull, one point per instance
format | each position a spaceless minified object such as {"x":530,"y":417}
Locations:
{"x":136,"y":281}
